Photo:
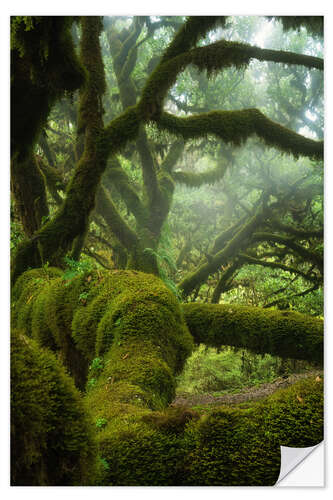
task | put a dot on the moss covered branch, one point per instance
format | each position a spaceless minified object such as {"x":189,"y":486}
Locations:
{"x":237,"y":243}
{"x":198,"y":179}
{"x":44,"y":66}
{"x":152,"y":192}
{"x":313,"y":24}
{"x":53,"y":179}
{"x":118,"y":177}
{"x":28,"y":189}
{"x":235,"y":127}
{"x":280,"y":333}
{"x":214,"y":57}
{"x":118,"y":226}
{"x":55,"y":238}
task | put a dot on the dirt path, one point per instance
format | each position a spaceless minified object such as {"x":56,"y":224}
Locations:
{"x":247,"y":394}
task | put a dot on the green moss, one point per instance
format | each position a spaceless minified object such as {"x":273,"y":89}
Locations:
{"x":25,"y":292}
{"x":195,"y":180}
{"x":51,"y":433}
{"x":28,"y":189}
{"x":313,"y":24}
{"x":120,"y":309}
{"x":241,"y":447}
{"x":283,"y":333}
{"x":120,"y":130}
{"x":135,"y":326}
{"x":224,"y":447}
{"x":235,"y":127}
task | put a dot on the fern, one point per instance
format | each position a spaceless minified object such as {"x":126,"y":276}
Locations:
{"x":165,"y":261}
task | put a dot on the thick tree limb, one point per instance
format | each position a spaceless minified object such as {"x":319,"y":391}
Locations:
{"x":280,"y":333}
{"x":213,"y":57}
{"x":55,"y":238}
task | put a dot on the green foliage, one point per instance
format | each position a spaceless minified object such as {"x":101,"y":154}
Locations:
{"x":76,"y":268}
{"x":16,"y":234}
{"x":101,"y":422}
{"x":208,"y":370}
{"x":96,"y":365}
{"x":104,"y":463}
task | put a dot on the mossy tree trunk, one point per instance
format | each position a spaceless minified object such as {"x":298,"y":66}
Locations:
{"x":28,"y":190}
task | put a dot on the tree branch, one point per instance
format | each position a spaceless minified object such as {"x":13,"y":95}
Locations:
{"x":280,"y":333}
{"x":290,"y":243}
{"x":118,"y":226}
{"x":235,"y":127}
{"x":277,"y":265}
{"x":118,"y":177}
{"x":198,"y":179}
{"x":231,"y":248}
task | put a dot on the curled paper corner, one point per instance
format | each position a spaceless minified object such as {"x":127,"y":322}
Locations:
{"x":292,"y":457}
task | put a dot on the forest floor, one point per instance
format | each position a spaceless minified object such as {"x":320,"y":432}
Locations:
{"x":246,"y":394}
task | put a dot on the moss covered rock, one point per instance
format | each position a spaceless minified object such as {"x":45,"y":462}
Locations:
{"x":52,"y":440}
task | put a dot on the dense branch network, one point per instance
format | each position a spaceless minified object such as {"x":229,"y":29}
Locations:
{"x":102,"y":142}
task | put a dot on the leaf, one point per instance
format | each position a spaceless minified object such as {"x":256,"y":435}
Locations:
{"x":300,"y":399}
{"x":318,"y":379}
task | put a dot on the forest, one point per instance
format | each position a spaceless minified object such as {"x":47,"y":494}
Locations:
{"x":166,"y":235}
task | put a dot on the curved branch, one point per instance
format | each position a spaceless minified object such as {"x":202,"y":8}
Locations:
{"x":213,"y":57}
{"x":235,"y":127}
{"x":313,"y":24}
